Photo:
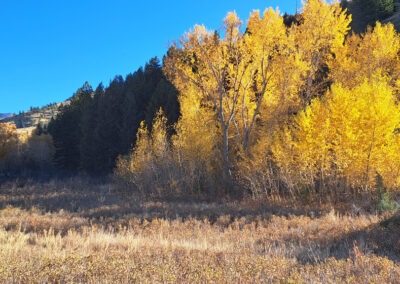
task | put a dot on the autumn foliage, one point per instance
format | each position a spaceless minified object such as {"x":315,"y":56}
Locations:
{"x":21,"y":149}
{"x":280,"y":108}
{"x":8,"y":139}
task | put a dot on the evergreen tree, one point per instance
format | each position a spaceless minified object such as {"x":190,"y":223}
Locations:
{"x":366,"y":12}
{"x":131,"y":110}
{"x":165,"y":96}
{"x":109,"y":125}
{"x":89,"y":120}
{"x":66,"y":129}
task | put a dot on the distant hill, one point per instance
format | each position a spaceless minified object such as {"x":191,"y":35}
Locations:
{"x":34,"y":116}
{"x":5,"y":115}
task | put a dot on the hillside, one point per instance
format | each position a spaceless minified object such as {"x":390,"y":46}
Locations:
{"x":395,"y":18}
{"x":34,"y":116}
{"x":5,"y":115}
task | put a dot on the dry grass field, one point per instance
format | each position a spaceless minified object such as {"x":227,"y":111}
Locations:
{"x":80,"y":231}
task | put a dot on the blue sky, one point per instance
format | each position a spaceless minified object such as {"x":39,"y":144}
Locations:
{"x":49,"y":48}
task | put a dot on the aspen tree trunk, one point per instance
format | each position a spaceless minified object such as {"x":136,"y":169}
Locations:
{"x":225,"y":154}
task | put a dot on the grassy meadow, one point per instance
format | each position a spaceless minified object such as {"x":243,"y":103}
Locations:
{"x":79,"y":230}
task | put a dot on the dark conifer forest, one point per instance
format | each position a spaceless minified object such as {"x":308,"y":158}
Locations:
{"x":100,"y":124}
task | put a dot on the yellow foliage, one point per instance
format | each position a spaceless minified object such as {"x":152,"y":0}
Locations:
{"x":8,"y":139}
{"x":319,"y":36}
{"x":278,"y":74}
{"x":39,"y":149}
{"x":363,"y":56}
{"x":159,"y":139}
{"x":239,"y":92}
{"x":323,"y":28}
{"x":210,"y":72}
{"x":151,"y":147}
{"x":196,"y":131}
{"x":22,"y":148}
{"x":236,"y":88}
{"x":145,"y":166}
{"x":351,"y":133}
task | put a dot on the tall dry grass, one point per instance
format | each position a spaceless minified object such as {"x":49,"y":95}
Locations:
{"x":111,"y":240}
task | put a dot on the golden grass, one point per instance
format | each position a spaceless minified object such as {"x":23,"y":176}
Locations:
{"x":156,"y":242}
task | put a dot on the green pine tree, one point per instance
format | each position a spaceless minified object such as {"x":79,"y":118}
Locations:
{"x":366,"y":12}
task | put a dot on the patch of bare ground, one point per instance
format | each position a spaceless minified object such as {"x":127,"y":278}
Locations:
{"x":78,"y":230}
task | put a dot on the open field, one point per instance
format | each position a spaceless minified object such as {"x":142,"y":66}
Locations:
{"x":77,"y":230}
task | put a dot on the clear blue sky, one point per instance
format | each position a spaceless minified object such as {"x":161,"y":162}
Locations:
{"x":49,"y":48}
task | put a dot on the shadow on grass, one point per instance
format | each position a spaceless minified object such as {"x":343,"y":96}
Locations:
{"x":380,"y":239}
{"x":91,"y":198}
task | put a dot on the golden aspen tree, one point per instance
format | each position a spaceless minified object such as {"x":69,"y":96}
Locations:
{"x":322,"y":30}
{"x":295,"y":68}
{"x":214,"y":68}
{"x":8,"y":139}
{"x":363,"y":56}
{"x":302,"y":150}
{"x":129,"y":167}
{"x":368,"y":132}
{"x":349,"y":133}
{"x":145,"y":165}
{"x":273,"y":87}
{"x":196,"y":69}
{"x":389,"y":168}
{"x":159,"y":140}
{"x":194,"y":145}
{"x":196,"y":135}
{"x":244,"y":85}
{"x":237,"y":80}
{"x":273,"y":96}
{"x":346,"y":67}
{"x":142,"y":152}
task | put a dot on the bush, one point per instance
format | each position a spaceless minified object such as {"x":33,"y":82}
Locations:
{"x":386,"y":202}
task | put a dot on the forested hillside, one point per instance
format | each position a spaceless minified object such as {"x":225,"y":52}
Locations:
{"x":98,"y":125}
{"x":366,"y":12}
{"x":35,"y":116}
{"x":5,"y":115}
